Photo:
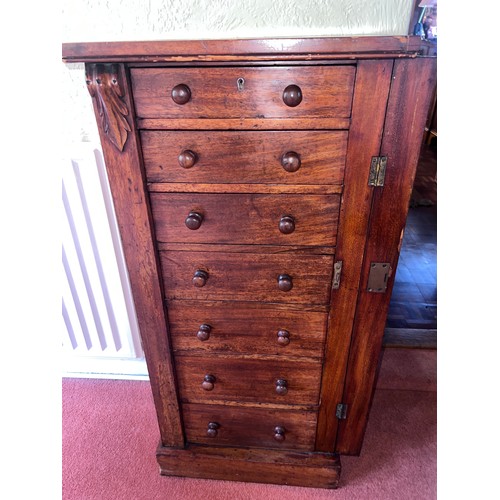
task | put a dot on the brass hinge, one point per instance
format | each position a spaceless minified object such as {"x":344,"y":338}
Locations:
{"x":337,"y":271}
{"x":341,"y":411}
{"x":377,"y":171}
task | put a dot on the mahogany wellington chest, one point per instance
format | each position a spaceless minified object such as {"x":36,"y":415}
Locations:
{"x":261,"y":189}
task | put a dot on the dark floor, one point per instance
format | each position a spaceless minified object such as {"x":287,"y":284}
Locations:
{"x":414,"y":297}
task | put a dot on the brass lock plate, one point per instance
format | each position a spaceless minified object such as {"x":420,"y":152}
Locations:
{"x":380,"y":273}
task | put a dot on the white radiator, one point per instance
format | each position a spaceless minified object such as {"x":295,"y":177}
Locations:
{"x":100,"y":332}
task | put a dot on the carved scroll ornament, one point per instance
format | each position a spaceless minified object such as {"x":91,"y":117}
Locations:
{"x":104,"y":86}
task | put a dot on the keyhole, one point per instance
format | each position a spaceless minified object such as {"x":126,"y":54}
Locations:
{"x":240,"y":83}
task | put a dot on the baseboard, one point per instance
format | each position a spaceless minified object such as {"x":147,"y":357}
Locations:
{"x":105,"y":368}
{"x":410,"y":337}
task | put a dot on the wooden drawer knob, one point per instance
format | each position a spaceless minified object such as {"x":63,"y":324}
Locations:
{"x":283,"y":337}
{"x":208,"y":383}
{"x":200,"y":278}
{"x":212,"y":429}
{"x":187,"y":158}
{"x":181,"y":94}
{"x":279,"y":433}
{"x":290,"y":161}
{"x":285,"y":283}
{"x":292,"y":96}
{"x":204,"y":332}
{"x":287,"y":224}
{"x":281,"y":386}
{"x":193,"y":220}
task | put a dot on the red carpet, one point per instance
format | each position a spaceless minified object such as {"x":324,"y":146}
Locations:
{"x":110,"y":436}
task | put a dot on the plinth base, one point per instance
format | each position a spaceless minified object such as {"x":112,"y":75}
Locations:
{"x":313,"y":470}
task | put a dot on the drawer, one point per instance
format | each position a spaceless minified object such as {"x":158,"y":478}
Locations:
{"x":247,"y":277}
{"x":291,"y":157}
{"x":214,"y":92}
{"x":220,"y":379}
{"x":246,"y":328}
{"x":257,"y":427}
{"x":271,"y":219}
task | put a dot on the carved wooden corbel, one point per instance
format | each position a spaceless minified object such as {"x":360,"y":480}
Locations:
{"x":103,"y":84}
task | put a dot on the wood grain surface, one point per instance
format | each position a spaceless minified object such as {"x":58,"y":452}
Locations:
{"x":126,"y":179}
{"x":372,"y":88}
{"x":243,"y":123}
{"x":250,"y":426}
{"x":246,"y":218}
{"x":182,"y":187}
{"x":252,"y":277}
{"x":263,"y":249}
{"x":248,"y":380}
{"x":246,"y":328}
{"x":313,"y":470}
{"x":305,"y":49}
{"x":408,"y":105}
{"x":327,"y":92}
{"x":248,"y":157}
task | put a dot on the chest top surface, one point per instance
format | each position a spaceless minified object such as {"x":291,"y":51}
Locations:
{"x":313,"y":48}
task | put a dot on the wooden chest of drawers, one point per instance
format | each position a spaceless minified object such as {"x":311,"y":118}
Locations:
{"x":261,"y":188}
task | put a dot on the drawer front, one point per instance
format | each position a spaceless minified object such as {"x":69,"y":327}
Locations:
{"x":245,"y":157}
{"x":246,"y":218}
{"x":246,"y":328}
{"x":214,"y":93}
{"x":247,"y":277}
{"x":236,"y":426}
{"x":210,"y":380}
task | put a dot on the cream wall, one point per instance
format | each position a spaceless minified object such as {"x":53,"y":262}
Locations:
{"x":105,"y":20}
{"x":111,"y":20}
